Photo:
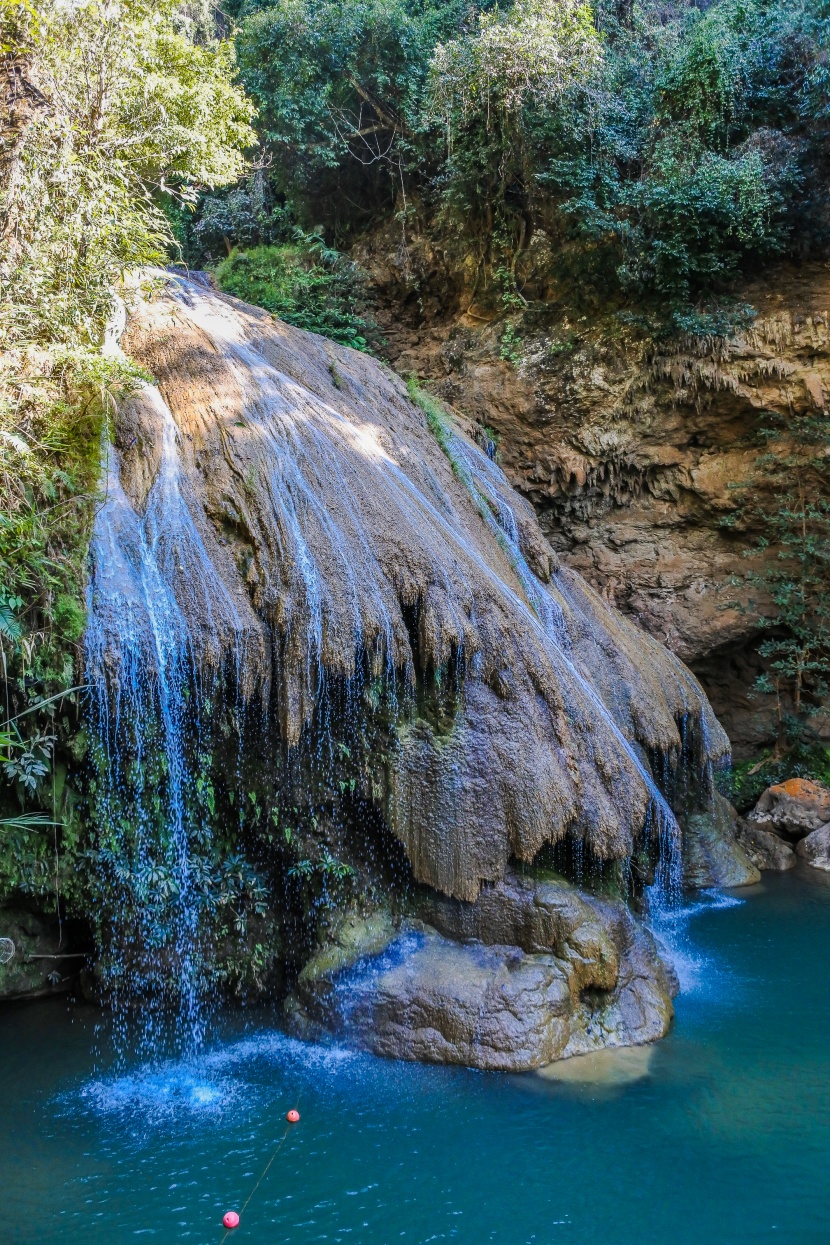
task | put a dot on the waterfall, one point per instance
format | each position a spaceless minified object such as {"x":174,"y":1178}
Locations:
{"x":270,"y":536}
{"x":148,"y":689}
{"x":488,"y":487}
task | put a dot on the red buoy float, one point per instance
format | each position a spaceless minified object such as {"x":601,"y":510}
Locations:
{"x":230,"y":1219}
{"x":293,"y":1116}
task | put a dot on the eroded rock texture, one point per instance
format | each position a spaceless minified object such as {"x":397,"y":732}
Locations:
{"x":550,"y":973}
{"x":714,"y":854}
{"x":306,"y":526}
{"x":630,"y":454}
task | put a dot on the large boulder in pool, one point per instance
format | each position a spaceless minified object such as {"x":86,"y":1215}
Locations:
{"x":793,"y":808}
{"x":712,"y":852}
{"x":815,"y":848}
{"x":577,"y":975}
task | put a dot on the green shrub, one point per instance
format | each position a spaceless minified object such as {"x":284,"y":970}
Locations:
{"x":305,"y":284}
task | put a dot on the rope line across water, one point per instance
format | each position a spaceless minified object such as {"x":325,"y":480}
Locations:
{"x":264,"y":1173}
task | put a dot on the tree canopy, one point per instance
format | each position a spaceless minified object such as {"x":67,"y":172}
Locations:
{"x":659,"y":149}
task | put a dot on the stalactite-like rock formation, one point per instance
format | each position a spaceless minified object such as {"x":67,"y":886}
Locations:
{"x":309,"y":527}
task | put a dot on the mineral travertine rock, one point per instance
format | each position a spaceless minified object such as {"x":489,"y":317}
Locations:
{"x":312,"y":532}
{"x":582,"y":976}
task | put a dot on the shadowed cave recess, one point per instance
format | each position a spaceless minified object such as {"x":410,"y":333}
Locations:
{"x":354,"y":726}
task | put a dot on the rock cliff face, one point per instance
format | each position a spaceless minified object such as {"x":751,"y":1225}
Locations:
{"x":629,"y":455}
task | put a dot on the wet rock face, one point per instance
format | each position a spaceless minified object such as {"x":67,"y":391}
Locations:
{"x":793,"y":808}
{"x":306,"y":533}
{"x":713,"y":853}
{"x":584,"y":976}
{"x":630,"y":454}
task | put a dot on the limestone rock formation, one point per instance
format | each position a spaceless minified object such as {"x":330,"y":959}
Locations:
{"x":306,"y":528}
{"x":713,"y":854}
{"x":578,"y":974}
{"x":793,"y":808}
{"x":815,"y":848}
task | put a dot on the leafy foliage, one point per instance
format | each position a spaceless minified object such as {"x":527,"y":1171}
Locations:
{"x":115,"y":107}
{"x":306,"y":283}
{"x":657,"y":152}
{"x":340,"y":86}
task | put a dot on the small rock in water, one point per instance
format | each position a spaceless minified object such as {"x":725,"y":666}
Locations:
{"x":602,"y":1067}
{"x":815,"y":848}
{"x":795,"y":807}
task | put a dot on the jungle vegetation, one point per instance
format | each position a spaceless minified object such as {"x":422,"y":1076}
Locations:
{"x":602,"y":152}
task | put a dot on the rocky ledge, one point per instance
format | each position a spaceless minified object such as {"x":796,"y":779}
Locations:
{"x":532,"y":971}
{"x":790,"y":820}
{"x":796,"y":812}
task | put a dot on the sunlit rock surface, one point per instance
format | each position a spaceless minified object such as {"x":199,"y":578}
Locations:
{"x":551,"y":973}
{"x":306,"y":526}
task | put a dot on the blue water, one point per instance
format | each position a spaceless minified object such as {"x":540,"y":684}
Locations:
{"x":725,"y":1137}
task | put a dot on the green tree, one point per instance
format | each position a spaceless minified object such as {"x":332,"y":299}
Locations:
{"x":486,"y":87}
{"x":659,"y":152}
{"x":340,"y":87}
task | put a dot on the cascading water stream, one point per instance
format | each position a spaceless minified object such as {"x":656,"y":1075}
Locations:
{"x":486,"y":483}
{"x":355,"y":557}
{"x":146,"y":704}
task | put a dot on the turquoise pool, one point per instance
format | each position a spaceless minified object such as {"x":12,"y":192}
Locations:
{"x":720,"y":1134}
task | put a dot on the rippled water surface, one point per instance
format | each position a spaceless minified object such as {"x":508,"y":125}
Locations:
{"x":720,"y":1134}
